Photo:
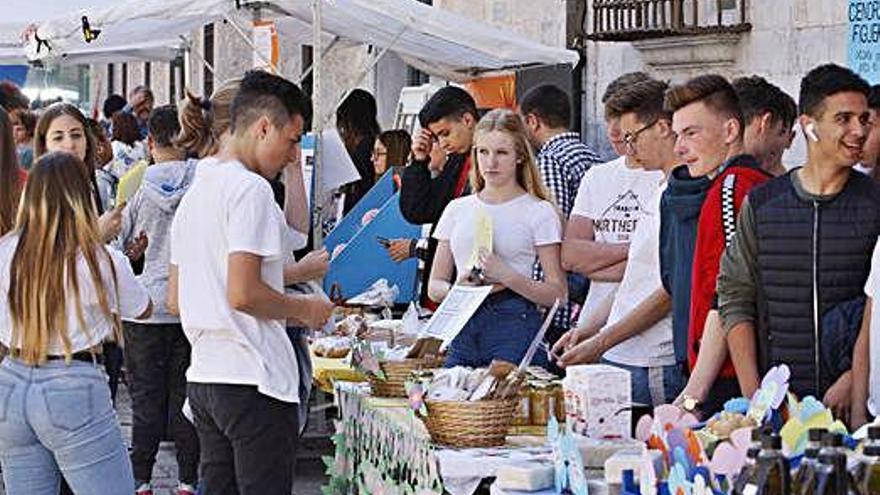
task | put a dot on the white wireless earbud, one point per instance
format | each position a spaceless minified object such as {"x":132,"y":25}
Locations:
{"x":810,"y":130}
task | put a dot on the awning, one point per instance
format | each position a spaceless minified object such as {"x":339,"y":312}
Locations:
{"x":436,"y":41}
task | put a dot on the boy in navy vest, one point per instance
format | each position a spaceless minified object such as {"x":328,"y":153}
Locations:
{"x":803,"y":247}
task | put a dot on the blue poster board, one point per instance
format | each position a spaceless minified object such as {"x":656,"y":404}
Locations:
{"x":350,"y":224}
{"x":364,"y":260}
{"x":864,"y":38}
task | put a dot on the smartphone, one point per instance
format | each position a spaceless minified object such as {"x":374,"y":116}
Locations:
{"x":386,"y":243}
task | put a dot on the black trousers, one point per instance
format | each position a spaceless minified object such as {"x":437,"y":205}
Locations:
{"x":248,"y":440}
{"x":157,"y":357}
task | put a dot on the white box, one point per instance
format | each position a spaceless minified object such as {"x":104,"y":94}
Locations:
{"x":598,"y":400}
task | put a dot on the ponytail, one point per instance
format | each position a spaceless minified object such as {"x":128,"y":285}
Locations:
{"x":196,"y":135}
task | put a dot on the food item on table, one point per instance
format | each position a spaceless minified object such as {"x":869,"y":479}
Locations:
{"x":526,"y":476}
{"x":351,"y":325}
{"x":332,"y":347}
{"x":725,"y":423}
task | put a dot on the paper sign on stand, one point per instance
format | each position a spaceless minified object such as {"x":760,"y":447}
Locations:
{"x":456,"y":310}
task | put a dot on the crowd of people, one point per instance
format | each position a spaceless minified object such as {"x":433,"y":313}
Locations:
{"x":693,"y":259}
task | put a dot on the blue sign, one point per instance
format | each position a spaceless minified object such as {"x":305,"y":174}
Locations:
{"x":14,"y":73}
{"x":864,"y":38}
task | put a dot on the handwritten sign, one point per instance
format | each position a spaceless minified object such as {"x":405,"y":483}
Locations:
{"x":864,"y":38}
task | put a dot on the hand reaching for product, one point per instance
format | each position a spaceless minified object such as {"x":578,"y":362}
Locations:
{"x":314,"y":265}
{"x":315,"y":310}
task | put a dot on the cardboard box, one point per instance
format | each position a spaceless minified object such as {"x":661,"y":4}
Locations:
{"x":598,"y":401}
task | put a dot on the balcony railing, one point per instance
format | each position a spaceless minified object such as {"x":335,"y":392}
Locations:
{"x":632,"y":20}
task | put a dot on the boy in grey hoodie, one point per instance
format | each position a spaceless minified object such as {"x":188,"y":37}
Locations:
{"x":157,"y":353}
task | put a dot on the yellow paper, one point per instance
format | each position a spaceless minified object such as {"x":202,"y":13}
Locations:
{"x":130,"y":182}
{"x":482,"y":237}
{"x":821,"y":420}
{"x":793,"y":433}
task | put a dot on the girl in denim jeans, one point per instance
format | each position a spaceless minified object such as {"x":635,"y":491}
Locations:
{"x":61,"y":293}
{"x":511,"y":199}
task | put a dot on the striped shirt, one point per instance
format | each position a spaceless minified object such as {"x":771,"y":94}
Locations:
{"x":563,"y":160}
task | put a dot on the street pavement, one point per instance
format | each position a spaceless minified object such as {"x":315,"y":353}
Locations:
{"x":309,"y":468}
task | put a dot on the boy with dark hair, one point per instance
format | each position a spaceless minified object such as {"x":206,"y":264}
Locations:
{"x":769,"y":114}
{"x":708,"y":123}
{"x":699,"y":224}
{"x":157,"y":353}
{"x":803,"y":246}
{"x":871,"y":152}
{"x":427,"y":186}
{"x":637,"y":335}
{"x":229,"y":242}
{"x":562,"y":160}
{"x":607,"y":208}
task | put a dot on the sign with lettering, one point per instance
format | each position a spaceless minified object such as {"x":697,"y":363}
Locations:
{"x":864,"y":38}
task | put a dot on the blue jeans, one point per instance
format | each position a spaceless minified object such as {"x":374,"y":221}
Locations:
{"x":502,"y":328}
{"x":653,"y":386}
{"x":57,"y":419}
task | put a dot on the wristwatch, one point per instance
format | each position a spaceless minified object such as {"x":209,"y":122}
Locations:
{"x":689,"y":404}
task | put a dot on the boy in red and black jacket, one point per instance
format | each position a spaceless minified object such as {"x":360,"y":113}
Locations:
{"x":768,"y":114}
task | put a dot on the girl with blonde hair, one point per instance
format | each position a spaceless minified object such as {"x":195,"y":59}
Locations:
{"x":63,"y":292}
{"x":510,"y":206}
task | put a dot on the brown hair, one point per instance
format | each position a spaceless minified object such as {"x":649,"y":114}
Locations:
{"x":616,"y":85}
{"x":713,"y":90}
{"x":527,"y":174}
{"x":52,"y":113}
{"x":57,"y":225}
{"x":398,"y":143}
{"x":125,"y":128}
{"x":10,"y":188}
{"x":645,"y":99}
{"x":203,"y":121}
{"x":27,"y":119}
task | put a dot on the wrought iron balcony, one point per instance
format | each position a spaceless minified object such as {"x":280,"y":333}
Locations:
{"x":633,"y":20}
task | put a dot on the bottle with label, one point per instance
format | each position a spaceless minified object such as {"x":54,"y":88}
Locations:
{"x":832,"y":476}
{"x":804,"y":480}
{"x":870,"y":465}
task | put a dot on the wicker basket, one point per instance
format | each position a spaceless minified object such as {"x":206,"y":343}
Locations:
{"x":397,"y":373}
{"x":469,"y":424}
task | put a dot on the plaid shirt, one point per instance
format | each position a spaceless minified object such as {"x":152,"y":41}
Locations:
{"x":563,"y":160}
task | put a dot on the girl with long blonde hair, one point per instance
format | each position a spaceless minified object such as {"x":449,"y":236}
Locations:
{"x":494,"y":237}
{"x":64,"y":293}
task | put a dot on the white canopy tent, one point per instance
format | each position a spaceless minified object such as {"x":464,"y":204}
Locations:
{"x":437,"y":41}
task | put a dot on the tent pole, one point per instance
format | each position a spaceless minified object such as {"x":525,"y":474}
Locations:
{"x":323,"y":54}
{"x":189,"y":47}
{"x":249,"y":42}
{"x":317,"y":83}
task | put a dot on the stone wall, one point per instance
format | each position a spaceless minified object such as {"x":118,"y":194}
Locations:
{"x":787,"y":39}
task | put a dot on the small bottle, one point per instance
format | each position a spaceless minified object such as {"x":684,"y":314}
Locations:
{"x":870,"y":465}
{"x":774,"y":473}
{"x":832,"y":476}
{"x":804,"y":480}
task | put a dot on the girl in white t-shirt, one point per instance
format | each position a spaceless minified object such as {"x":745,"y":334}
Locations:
{"x":866,"y":356}
{"x":62,"y":292}
{"x":509,"y":195}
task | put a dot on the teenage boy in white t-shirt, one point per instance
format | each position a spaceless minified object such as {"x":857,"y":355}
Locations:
{"x":638,"y":333}
{"x":608,"y":205}
{"x":866,"y":378}
{"x":229,"y":241}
